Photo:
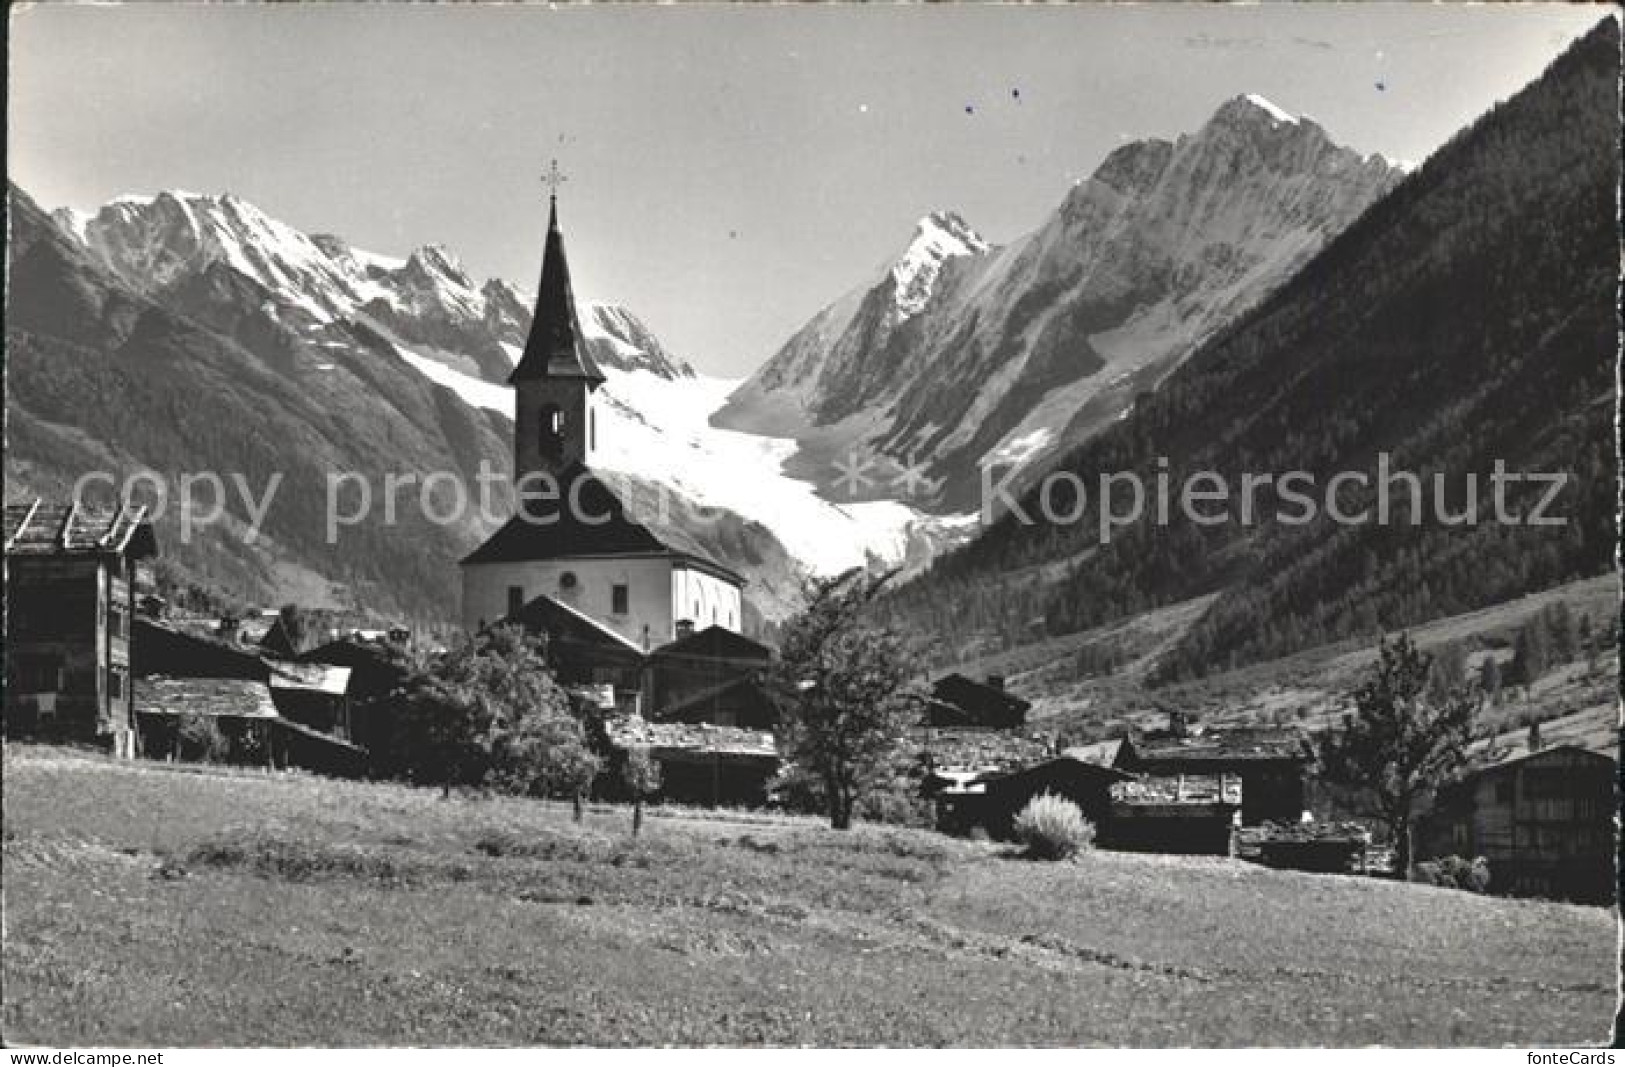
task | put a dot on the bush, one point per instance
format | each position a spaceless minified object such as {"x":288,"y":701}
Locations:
{"x":1454,"y":872}
{"x":1052,"y":828}
{"x":199,"y":738}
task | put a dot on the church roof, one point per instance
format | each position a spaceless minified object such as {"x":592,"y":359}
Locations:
{"x":589,"y":523}
{"x":555,"y":347}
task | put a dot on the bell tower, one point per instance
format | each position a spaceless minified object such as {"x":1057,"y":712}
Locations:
{"x":554,"y":424}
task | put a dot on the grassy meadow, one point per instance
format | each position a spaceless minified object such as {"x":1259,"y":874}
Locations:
{"x":154,"y":905}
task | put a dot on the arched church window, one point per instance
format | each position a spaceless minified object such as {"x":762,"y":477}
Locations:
{"x":550,"y":431}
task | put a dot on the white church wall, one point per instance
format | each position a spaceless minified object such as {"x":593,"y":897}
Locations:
{"x":705,"y":600}
{"x":649,"y":604}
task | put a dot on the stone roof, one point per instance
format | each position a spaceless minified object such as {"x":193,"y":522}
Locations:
{"x":240,"y":698}
{"x":632,"y":731}
{"x":41,"y":529}
{"x":1218,"y":744}
{"x":1179,"y":789}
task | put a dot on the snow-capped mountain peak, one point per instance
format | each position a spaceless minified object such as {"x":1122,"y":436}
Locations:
{"x":618,"y":339}
{"x":1276,"y":114}
{"x":938,"y":237}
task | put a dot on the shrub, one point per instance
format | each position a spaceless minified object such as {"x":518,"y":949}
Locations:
{"x":1454,"y":872}
{"x":1052,"y":828}
{"x":199,"y":738}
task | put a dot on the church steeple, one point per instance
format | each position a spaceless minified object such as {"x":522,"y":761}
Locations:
{"x":554,"y":422}
{"x":554,"y":348}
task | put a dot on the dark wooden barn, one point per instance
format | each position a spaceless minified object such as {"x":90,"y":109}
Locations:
{"x":702,"y":765}
{"x":713,"y":676}
{"x":994,"y":806}
{"x":72,"y":577}
{"x":587,"y":656}
{"x":296,"y":714}
{"x":958,"y":701}
{"x":1192,"y":814}
{"x":1544,"y":820}
{"x":1270,"y":762}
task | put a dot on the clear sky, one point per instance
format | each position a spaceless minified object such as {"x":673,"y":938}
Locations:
{"x":731,"y":169}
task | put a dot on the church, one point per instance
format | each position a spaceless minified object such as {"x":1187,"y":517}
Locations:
{"x":572,"y":540}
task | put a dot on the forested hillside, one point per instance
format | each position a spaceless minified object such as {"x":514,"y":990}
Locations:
{"x":1467,"y":318}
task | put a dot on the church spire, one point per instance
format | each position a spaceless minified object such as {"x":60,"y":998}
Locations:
{"x":555,"y":348}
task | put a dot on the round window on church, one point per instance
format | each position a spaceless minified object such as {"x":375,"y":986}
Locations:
{"x":567,"y":581}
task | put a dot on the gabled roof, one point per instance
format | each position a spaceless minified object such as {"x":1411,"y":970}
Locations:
{"x":587,"y":521}
{"x":717,"y":644}
{"x":555,"y":347}
{"x":568,"y":627}
{"x":743,"y":687}
{"x":310,"y":677}
{"x":1047,"y":769}
{"x":161,"y":648}
{"x":1513,"y":761}
{"x":1216,"y":745}
{"x":239,"y":698}
{"x":961,"y":701}
{"x":1102,"y":752}
{"x":41,"y":529}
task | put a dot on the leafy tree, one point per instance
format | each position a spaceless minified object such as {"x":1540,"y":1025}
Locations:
{"x":570,"y":770}
{"x":1531,"y":654}
{"x":642,"y":776}
{"x":1449,"y":670}
{"x":1562,"y":639}
{"x":489,"y":713}
{"x":1398,"y":745}
{"x":1489,"y":678}
{"x":845,"y":693}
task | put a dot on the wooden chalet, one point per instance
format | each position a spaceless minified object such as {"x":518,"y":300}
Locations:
{"x":589,"y":657}
{"x":712,"y":676}
{"x":72,"y":575}
{"x":297,"y":714}
{"x":959,"y":702}
{"x":1189,"y":814}
{"x":703,"y":765}
{"x":992,"y":801}
{"x":1269,"y":763}
{"x":375,"y":672}
{"x":1544,"y":820}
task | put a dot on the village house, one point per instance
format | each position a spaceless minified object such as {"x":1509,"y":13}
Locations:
{"x":1269,"y":763}
{"x":992,"y":801}
{"x":712,"y":676}
{"x":1544,"y":820}
{"x":573,"y":539}
{"x":959,"y":702}
{"x":73,"y":575}
{"x":700,"y":764}
{"x":1190,"y":814}
{"x":289,"y":714}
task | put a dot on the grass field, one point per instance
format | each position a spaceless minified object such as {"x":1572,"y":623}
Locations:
{"x":147,"y":904}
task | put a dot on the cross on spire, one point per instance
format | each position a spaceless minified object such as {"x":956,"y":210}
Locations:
{"x":553,"y":179}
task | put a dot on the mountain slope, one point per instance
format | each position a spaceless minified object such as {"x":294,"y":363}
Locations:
{"x":1467,"y":319}
{"x":1007,"y":354}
